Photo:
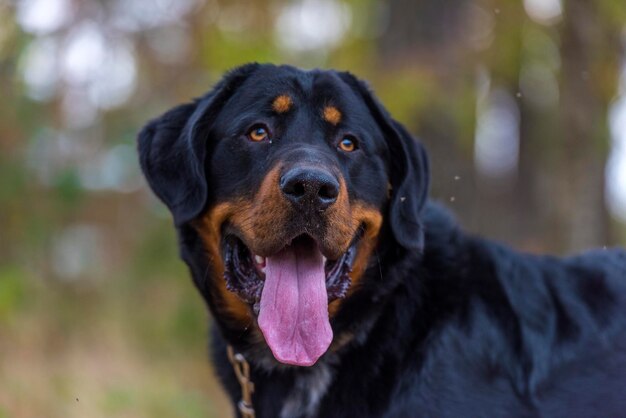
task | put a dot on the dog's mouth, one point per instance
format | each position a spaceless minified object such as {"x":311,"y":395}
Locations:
{"x":289,"y":292}
{"x":245,"y":272}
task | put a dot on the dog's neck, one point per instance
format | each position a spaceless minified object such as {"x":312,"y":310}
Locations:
{"x":307,"y":392}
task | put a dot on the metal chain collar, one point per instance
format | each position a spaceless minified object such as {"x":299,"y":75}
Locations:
{"x":242,"y":371}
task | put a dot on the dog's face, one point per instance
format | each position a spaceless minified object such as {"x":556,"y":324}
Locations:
{"x":288,"y":178}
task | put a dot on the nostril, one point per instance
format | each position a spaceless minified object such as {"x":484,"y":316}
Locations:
{"x":293,"y":187}
{"x":328,"y":192}
{"x":297,"y":189}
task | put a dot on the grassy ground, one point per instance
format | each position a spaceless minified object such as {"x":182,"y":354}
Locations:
{"x":129,"y":340}
{"x":74,"y":356}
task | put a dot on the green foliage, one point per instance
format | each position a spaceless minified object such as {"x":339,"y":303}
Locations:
{"x":68,"y":188}
{"x":13,"y":178}
{"x":157,"y":254}
{"x":13,"y":290}
{"x":118,"y":400}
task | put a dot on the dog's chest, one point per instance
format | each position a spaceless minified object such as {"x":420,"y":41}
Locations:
{"x":304,"y":398}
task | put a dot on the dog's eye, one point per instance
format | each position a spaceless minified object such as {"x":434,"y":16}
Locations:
{"x":347,"y":144}
{"x":258,"y":133}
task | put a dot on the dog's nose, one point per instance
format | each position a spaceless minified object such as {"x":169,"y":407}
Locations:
{"x":310,"y":188}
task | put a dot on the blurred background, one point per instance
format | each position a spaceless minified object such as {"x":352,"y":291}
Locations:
{"x":521,"y":104}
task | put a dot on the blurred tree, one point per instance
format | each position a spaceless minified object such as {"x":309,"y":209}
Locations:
{"x":553,"y":200}
{"x":590,"y":68}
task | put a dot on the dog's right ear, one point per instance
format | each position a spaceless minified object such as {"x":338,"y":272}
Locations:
{"x":172,"y":148}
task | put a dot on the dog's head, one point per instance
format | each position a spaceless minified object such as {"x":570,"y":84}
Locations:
{"x":289,"y":178}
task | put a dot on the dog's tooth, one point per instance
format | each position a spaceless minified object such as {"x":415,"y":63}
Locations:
{"x":324,"y":259}
{"x":259,"y":260}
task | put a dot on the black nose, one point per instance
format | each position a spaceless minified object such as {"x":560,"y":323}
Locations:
{"x":310,"y":188}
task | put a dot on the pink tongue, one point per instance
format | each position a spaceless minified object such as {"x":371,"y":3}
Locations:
{"x":294,"y":305}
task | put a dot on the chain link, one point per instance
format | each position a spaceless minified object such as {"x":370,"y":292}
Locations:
{"x":242,"y":372}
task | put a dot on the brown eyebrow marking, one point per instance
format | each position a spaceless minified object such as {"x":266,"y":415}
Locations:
{"x":332,"y":115}
{"x":282,"y":103}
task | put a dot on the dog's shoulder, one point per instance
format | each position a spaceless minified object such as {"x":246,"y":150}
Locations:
{"x":546,"y":327}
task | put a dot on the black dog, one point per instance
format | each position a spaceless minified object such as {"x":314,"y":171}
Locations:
{"x":301,"y":209}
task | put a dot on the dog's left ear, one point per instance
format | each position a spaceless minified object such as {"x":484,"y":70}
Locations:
{"x":173,"y":148}
{"x":409,"y":171}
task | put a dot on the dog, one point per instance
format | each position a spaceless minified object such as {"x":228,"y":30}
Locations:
{"x":340,"y":290}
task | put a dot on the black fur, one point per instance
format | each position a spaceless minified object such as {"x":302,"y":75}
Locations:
{"x":173,"y":149}
{"x":409,"y":171}
{"x":444,"y":324}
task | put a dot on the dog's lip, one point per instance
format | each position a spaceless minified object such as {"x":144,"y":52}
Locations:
{"x":244,"y":271}
{"x":264,"y":251}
